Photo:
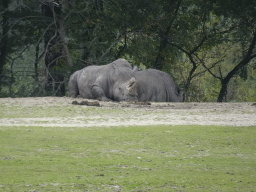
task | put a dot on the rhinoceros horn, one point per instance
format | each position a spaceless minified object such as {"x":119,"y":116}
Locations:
{"x":132,"y":86}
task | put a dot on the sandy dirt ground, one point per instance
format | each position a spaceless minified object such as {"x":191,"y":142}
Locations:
{"x":233,"y":114}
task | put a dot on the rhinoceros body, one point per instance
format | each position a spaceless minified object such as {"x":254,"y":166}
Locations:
{"x":114,"y":81}
{"x":155,"y":85}
{"x":119,"y":82}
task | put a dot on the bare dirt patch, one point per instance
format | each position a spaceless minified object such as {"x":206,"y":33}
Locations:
{"x":127,"y":113}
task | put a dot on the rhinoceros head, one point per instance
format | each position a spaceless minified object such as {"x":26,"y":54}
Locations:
{"x":126,"y":91}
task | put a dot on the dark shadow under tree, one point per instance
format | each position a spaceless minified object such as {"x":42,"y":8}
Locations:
{"x":53,"y":49}
{"x":3,"y":38}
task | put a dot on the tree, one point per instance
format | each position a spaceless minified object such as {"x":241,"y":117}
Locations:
{"x":170,"y":9}
{"x":48,"y":40}
{"x":225,"y":80}
{"x":4,"y":6}
{"x":242,"y":13}
{"x":53,"y":47}
{"x":19,"y":29}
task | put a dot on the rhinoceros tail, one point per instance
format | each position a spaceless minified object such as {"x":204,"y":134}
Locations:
{"x":73,"y":87}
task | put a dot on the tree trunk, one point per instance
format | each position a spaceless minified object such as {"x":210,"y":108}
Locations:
{"x":4,"y":39}
{"x":36,"y":64}
{"x":245,"y":61}
{"x":223,"y":91}
{"x":189,"y":79}
{"x":64,"y":43}
{"x":159,"y":61}
{"x":52,"y":40}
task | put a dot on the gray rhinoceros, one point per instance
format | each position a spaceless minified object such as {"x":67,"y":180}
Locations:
{"x":155,"y":85}
{"x":114,"y":81}
{"x":118,"y":81}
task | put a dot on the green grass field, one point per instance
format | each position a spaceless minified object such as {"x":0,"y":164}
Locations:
{"x":135,"y":158}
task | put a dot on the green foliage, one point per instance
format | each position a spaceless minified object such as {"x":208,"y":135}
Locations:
{"x":205,"y":87}
{"x":175,"y":36}
{"x":240,"y":90}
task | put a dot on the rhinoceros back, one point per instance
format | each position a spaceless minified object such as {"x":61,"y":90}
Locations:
{"x":155,"y":85}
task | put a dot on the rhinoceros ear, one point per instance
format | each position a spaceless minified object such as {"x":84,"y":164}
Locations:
{"x":135,"y":68}
{"x":132,"y":86}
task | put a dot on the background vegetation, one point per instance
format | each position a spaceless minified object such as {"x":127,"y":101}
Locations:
{"x":208,"y":47}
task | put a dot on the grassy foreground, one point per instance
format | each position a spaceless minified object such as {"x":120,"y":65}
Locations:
{"x":150,"y":158}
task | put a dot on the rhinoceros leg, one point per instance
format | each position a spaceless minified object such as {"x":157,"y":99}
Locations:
{"x":98,"y":93}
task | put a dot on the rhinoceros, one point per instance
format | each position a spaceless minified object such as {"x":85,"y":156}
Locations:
{"x":155,"y":85}
{"x":118,"y":81}
{"x":114,"y":81}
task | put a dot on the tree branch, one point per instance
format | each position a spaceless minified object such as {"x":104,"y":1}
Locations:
{"x":244,"y":62}
{"x":208,"y":69}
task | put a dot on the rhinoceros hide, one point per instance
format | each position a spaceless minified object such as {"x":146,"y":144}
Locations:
{"x":118,"y":81}
{"x":114,"y":81}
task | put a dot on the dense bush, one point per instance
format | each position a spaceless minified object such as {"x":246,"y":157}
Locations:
{"x":207,"y":47}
